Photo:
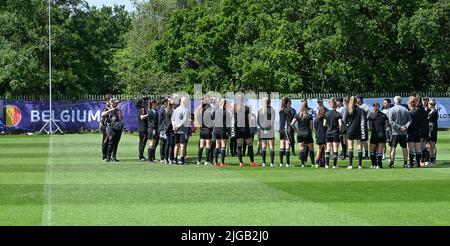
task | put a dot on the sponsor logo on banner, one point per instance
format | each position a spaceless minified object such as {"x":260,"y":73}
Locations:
{"x":442,"y":112}
{"x":13,"y":115}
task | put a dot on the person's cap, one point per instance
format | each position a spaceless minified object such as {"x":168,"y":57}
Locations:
{"x":339,"y":99}
{"x":320,"y":100}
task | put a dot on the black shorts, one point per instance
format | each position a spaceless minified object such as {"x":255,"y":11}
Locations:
{"x":398,"y":139}
{"x":333,"y":139}
{"x":353,"y":136}
{"x":206,"y":136}
{"x":150,"y":134}
{"x":283,"y":135}
{"x":221,"y":136}
{"x":374,"y":139}
{"x":243,"y":133}
{"x":205,"y":133}
{"x":321,"y":140}
{"x":306,"y":139}
{"x":414,"y":137}
{"x":180,"y":138}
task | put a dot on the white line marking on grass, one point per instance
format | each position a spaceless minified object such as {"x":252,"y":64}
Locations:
{"x":47,"y":213}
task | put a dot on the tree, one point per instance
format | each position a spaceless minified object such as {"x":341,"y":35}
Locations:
{"x":85,"y":40}
{"x":309,"y":45}
{"x":22,"y":42}
{"x":427,"y":32}
{"x":133,"y":64}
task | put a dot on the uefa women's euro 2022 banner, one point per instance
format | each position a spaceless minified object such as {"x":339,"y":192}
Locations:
{"x":74,"y":116}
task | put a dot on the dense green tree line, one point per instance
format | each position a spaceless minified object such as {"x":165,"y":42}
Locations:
{"x":310,"y":45}
{"x":85,"y":40}
{"x":289,"y":46}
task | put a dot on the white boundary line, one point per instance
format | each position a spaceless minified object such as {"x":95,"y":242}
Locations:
{"x":47,"y":213}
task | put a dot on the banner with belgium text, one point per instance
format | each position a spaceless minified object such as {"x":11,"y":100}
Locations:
{"x":74,"y":116}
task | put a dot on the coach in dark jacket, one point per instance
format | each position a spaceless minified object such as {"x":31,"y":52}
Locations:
{"x":114,"y":128}
{"x":152,"y":118}
{"x":103,"y":123}
{"x":143,"y":127}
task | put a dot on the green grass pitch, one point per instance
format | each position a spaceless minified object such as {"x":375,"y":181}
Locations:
{"x":68,"y":184}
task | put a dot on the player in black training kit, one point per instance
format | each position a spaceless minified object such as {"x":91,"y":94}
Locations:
{"x":222,"y":127}
{"x":153,"y":120}
{"x":333,"y":122}
{"x":204,"y":121}
{"x":425,"y":133}
{"x":291,"y":134}
{"x":103,"y":124}
{"x":143,"y":127}
{"x":286,"y":116}
{"x":385,"y":110}
{"x":355,"y":119}
{"x":266,"y":120}
{"x":114,"y":128}
{"x":378,"y":122}
{"x":415,"y":150}
{"x":166,"y":132}
{"x":304,"y":136}
{"x":432,"y":130}
{"x":306,"y":152}
{"x":243,"y":129}
{"x":321,"y":137}
{"x":423,"y":130}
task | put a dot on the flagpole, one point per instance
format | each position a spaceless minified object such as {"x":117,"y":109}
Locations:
{"x":50,"y":121}
{"x":50,"y":63}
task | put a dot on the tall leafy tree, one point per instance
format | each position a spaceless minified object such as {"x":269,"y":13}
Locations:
{"x":309,"y":45}
{"x":85,"y":40}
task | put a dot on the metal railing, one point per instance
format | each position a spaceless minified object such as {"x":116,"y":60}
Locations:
{"x":32,"y":97}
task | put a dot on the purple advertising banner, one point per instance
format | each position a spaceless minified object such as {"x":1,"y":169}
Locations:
{"x":69,"y":115}
{"x":73,"y":116}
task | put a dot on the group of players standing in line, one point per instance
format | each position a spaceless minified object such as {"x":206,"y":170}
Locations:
{"x":170,"y":123}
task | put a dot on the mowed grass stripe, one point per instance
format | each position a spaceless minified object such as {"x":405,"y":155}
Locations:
{"x":205,"y":213}
{"x":419,"y":213}
{"x":21,"y":215}
{"x":212,"y":175}
{"x":22,"y":204}
{"x":335,"y":192}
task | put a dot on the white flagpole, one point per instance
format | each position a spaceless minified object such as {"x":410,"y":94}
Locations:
{"x":50,"y":121}
{"x":50,"y":63}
